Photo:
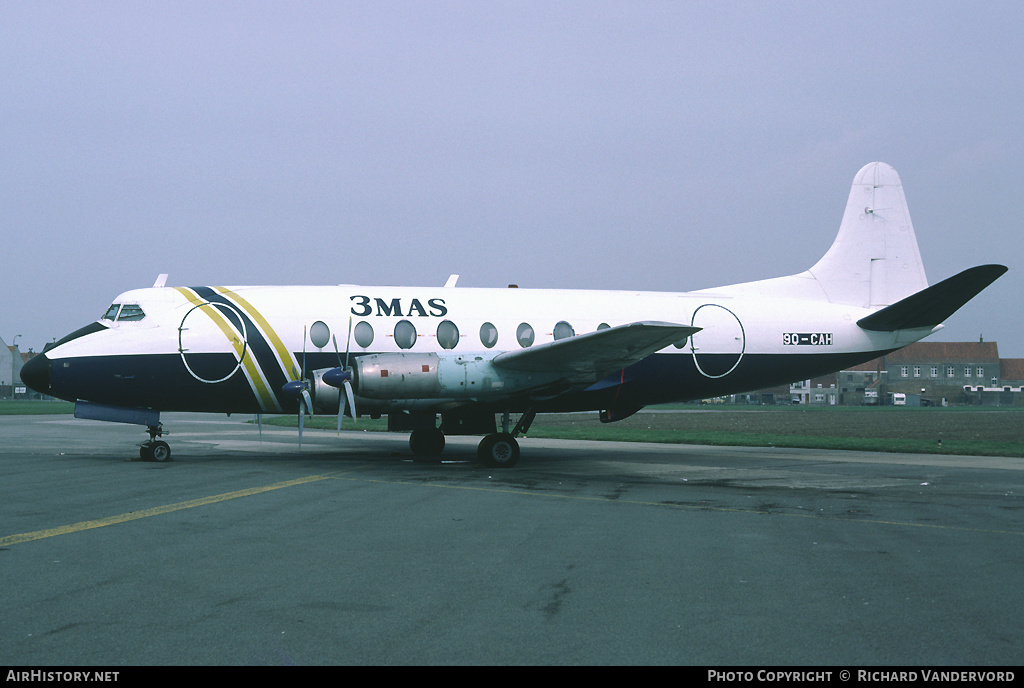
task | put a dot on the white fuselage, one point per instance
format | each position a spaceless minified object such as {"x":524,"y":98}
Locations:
{"x":263,"y":333}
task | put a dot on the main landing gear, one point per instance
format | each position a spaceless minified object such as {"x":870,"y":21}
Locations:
{"x":496,"y":450}
{"x":155,"y":449}
{"x":499,"y":450}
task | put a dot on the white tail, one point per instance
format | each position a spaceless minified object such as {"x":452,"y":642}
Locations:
{"x":874,"y":260}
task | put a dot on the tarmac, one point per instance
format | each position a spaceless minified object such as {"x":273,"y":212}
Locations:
{"x":246,"y":550}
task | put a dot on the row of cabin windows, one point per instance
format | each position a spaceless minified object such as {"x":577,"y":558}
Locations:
{"x":448,"y":334}
{"x":978,"y":371}
{"x":405,"y":332}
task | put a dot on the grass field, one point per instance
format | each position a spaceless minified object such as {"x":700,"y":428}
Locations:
{"x":963,"y":430}
{"x":34,"y":408}
{"x":972,"y":431}
{"x":955,"y":430}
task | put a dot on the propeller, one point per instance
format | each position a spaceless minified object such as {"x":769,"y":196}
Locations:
{"x":299,"y":389}
{"x":341,"y":377}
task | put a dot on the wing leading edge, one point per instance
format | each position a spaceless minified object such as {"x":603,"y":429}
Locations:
{"x":596,"y":354}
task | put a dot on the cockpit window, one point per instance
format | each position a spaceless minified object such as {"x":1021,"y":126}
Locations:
{"x":111,"y":313}
{"x":130,"y":311}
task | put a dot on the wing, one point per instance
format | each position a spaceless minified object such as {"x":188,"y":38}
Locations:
{"x":592,"y":356}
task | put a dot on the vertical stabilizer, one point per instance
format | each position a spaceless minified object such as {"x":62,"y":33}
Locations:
{"x":874,"y":260}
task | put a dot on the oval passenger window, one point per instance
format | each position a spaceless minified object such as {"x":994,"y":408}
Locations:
{"x":447,"y":334}
{"x":524,"y":335}
{"x":363,"y":334}
{"x":563,"y":330}
{"x":405,"y":334}
{"x":488,"y":335}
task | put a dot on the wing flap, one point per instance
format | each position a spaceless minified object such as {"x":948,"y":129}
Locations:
{"x":596,"y":354}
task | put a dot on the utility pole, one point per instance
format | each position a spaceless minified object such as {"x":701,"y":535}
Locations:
{"x":14,"y":349}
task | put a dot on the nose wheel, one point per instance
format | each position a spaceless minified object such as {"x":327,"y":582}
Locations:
{"x":155,"y":449}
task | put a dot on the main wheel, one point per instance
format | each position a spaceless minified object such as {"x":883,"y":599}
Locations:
{"x":499,"y":450}
{"x":427,"y":442}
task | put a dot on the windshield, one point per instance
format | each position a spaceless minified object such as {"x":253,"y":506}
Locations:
{"x":130,"y":311}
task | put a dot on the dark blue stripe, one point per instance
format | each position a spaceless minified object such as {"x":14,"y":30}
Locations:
{"x":257,"y":345}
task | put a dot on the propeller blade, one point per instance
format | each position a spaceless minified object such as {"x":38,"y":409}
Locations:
{"x":341,"y":400}
{"x":348,"y":342}
{"x":351,"y":399}
{"x":302,"y":373}
{"x":305,"y":408}
{"x":301,"y":387}
{"x":342,"y":376}
{"x":338,"y":378}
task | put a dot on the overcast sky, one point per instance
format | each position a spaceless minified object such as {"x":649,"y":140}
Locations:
{"x":608,"y":145}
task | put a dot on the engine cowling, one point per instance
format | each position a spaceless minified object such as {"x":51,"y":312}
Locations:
{"x":434,"y":376}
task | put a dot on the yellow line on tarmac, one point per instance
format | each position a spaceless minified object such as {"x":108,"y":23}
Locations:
{"x":156,"y":511}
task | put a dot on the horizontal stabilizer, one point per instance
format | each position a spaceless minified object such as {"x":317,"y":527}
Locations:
{"x":932,"y":305}
{"x":597,"y":353}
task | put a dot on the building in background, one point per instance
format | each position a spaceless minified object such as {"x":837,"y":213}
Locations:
{"x":923,"y":374}
{"x":11,"y":361}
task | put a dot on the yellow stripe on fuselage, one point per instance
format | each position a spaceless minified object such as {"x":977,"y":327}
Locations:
{"x":289,"y":365}
{"x":266,"y":398}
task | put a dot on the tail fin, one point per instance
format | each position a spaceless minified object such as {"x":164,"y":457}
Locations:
{"x":874,"y":263}
{"x":874,"y":260}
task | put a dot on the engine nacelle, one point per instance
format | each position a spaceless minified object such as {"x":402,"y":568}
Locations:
{"x":433,"y":376}
{"x":397,"y":376}
{"x":325,"y":397}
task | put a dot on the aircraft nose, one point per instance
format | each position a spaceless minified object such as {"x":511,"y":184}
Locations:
{"x":36,"y":373}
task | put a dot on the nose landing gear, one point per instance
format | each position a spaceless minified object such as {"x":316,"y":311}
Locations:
{"x":152,"y":450}
{"x":155,"y":449}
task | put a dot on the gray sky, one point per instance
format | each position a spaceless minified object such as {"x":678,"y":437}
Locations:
{"x":608,"y":145}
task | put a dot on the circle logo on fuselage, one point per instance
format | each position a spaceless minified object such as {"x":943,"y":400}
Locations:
{"x":718,"y":348}
{"x":212,"y":341}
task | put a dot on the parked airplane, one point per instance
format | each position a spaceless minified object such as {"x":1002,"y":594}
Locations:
{"x":414,"y":353}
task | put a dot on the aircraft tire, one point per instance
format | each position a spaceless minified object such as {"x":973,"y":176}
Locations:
{"x":426,"y":443}
{"x":159,"y":451}
{"x":499,"y":450}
